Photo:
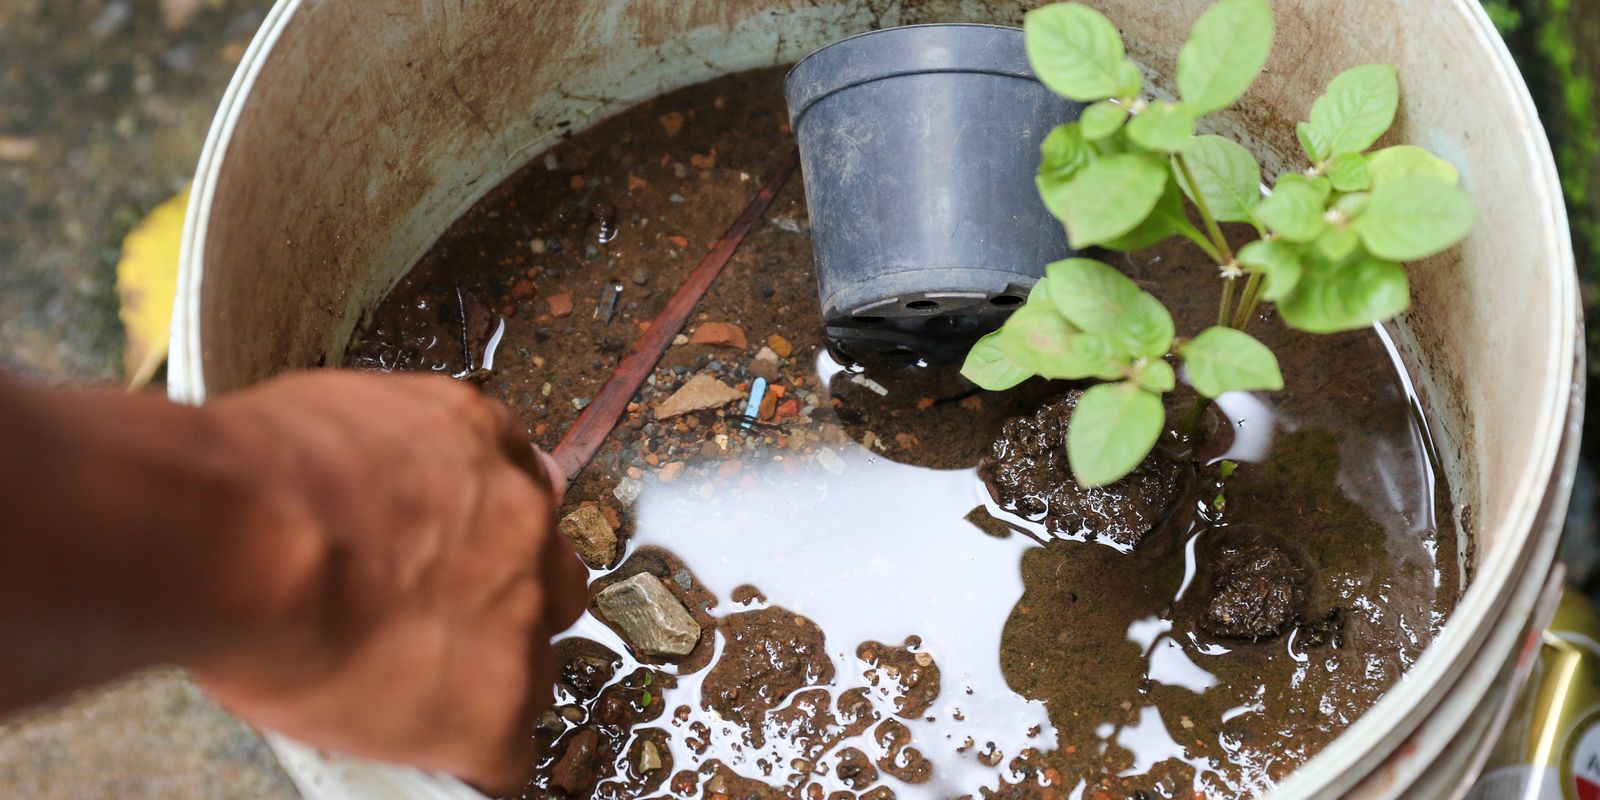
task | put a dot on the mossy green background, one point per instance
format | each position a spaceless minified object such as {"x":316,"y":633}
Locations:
{"x":1557,"y":45}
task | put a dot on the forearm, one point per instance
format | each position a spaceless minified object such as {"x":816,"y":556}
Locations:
{"x":125,"y":542}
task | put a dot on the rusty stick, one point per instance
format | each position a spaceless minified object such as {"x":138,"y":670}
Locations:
{"x":601,"y":416}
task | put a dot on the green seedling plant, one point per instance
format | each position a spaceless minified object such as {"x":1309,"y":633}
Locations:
{"x":1326,"y":249}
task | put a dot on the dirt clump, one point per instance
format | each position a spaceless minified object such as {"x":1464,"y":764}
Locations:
{"x":770,"y":654}
{"x":910,"y":677}
{"x":1257,"y":594}
{"x":1027,"y":473}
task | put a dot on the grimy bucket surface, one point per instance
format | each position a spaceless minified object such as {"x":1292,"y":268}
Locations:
{"x":355,"y":132}
{"x":919,"y":146}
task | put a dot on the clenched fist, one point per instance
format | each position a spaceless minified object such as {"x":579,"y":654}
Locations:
{"x":366,"y":563}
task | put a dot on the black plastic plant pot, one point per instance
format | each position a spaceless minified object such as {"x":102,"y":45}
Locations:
{"x":919,"y":147}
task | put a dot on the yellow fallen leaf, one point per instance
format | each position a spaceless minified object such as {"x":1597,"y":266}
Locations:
{"x":147,"y":283}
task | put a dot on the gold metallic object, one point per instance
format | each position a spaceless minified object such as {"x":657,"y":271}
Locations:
{"x":1550,"y":749}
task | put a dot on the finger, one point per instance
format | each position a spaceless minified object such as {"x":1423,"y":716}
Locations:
{"x":506,"y":768}
{"x":553,"y":474}
{"x":566,"y":582}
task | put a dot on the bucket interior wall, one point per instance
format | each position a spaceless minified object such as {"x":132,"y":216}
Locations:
{"x":358,"y":131}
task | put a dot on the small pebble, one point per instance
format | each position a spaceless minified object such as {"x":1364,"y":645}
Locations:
{"x":591,"y":252}
{"x":786,"y":224}
{"x":830,"y":461}
{"x":680,"y":340}
{"x":580,"y":403}
{"x":537,"y":246}
{"x":676,"y":198}
{"x":628,"y":490}
{"x":641,"y":276}
{"x":684,"y":580}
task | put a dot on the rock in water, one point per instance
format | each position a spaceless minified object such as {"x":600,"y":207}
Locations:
{"x":1028,"y":474}
{"x":700,"y":393}
{"x":649,"y":757}
{"x":651,"y":618}
{"x":591,"y":535}
{"x":574,"y":772}
{"x":1257,"y":593}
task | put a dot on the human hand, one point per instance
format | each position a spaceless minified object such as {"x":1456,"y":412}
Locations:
{"x":415,"y":576}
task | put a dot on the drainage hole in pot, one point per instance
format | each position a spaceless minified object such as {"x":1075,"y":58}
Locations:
{"x":923,"y":305}
{"x":1007,"y":301}
{"x":867,"y":319}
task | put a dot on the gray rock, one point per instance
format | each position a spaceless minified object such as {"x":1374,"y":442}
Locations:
{"x":627,"y":490}
{"x":591,"y":535}
{"x":652,"y":620}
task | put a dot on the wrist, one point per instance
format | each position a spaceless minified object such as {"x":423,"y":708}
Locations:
{"x":145,"y":537}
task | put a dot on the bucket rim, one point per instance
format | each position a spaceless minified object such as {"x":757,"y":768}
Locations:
{"x":1523,"y":542}
{"x":1350,"y":757}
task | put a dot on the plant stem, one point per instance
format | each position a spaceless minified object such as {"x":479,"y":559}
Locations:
{"x":1247,"y":306}
{"x":1214,"y":230}
{"x":1200,"y":241}
{"x":1225,"y":312}
{"x":1219,"y":251}
{"x":1192,"y":420}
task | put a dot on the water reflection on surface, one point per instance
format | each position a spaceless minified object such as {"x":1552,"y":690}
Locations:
{"x":854,"y":551}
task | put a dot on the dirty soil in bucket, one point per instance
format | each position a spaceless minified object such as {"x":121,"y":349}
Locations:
{"x":884,"y":584}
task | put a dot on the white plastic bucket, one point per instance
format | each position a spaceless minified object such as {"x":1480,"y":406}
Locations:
{"x":355,"y":132}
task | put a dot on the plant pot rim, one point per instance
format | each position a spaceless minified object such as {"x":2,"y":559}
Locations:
{"x":827,"y":70}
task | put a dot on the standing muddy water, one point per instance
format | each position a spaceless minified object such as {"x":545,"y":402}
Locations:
{"x":893,"y":595}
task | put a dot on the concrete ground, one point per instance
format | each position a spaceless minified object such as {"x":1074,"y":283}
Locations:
{"x":104,"y":105}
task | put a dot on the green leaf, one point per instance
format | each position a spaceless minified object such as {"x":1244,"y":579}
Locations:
{"x":1102,"y":120}
{"x":1163,"y":127}
{"x":1313,"y":142}
{"x":646,"y":699}
{"x":1357,"y":109}
{"x":1113,"y":429}
{"x":1346,"y":295}
{"x":1225,"y":52}
{"x":1222,"y":360}
{"x":1226,"y":176}
{"x":1414,"y":217}
{"x":1336,"y":243}
{"x":988,"y":366}
{"x":1278,"y":262}
{"x":1294,"y":211}
{"x":1320,"y":184}
{"x":1168,"y":219}
{"x":1064,"y":153}
{"x":1108,"y":198}
{"x":1393,"y":163}
{"x":1040,"y":293}
{"x":1156,"y":376}
{"x":1075,"y":51}
{"x":1130,"y":81}
{"x":1348,"y":172}
{"x":1099,"y":299}
{"x":1037,"y":338}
